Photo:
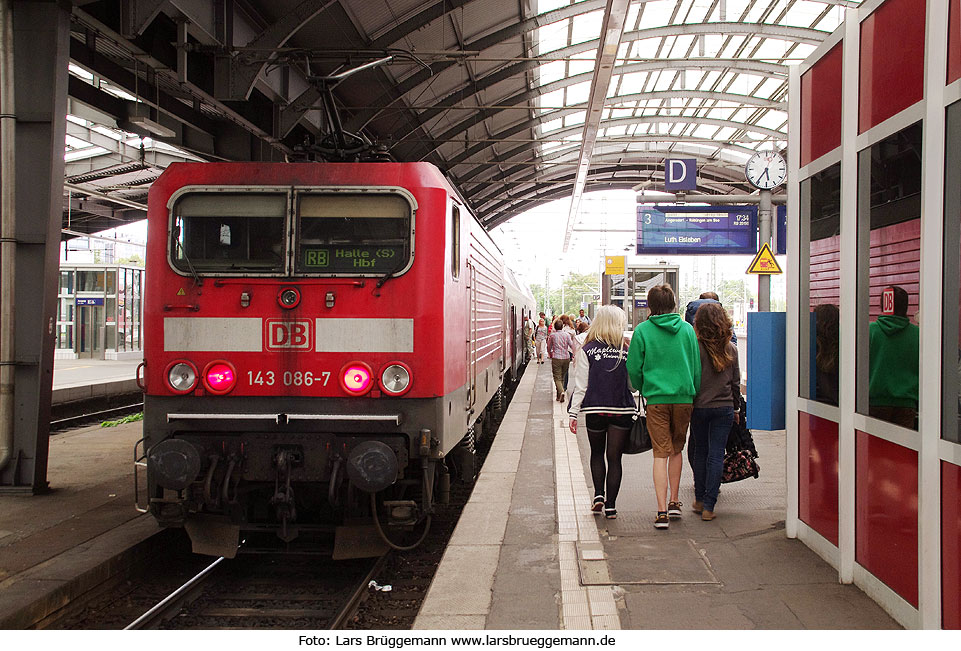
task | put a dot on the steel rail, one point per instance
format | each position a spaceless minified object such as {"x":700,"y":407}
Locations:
{"x":349,"y":608}
{"x":175,"y":600}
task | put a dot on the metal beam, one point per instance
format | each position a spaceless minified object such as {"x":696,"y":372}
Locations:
{"x":235,"y":78}
{"x":106,"y":197}
{"x":41,"y":31}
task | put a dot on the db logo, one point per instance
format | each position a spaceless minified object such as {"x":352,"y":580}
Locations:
{"x":287,"y":335}
{"x":887,"y":301}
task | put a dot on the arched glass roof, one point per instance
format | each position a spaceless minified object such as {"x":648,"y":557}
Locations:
{"x":519,"y":102}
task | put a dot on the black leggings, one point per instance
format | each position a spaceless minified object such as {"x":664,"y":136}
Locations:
{"x":613,"y":439}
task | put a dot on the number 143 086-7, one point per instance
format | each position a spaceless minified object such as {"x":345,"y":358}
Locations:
{"x":288,"y":378}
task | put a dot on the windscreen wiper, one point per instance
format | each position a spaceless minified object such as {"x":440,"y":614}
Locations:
{"x":198,"y":281}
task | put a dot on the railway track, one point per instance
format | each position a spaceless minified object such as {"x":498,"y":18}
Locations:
{"x":264,"y":593}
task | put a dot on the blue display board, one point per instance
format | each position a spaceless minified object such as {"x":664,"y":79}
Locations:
{"x":781,"y":230}
{"x":696,"y":230}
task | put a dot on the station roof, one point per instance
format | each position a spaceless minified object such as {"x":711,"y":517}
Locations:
{"x":519,"y":101}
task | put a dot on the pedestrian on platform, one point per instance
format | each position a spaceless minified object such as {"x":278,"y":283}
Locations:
{"x":665,"y":366}
{"x":583,"y":318}
{"x":703,"y":299}
{"x":540,"y":340}
{"x":714,"y":405}
{"x":560,"y":346}
{"x":603,"y":394}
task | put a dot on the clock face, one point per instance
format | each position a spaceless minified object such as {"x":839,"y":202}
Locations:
{"x":766,"y":170}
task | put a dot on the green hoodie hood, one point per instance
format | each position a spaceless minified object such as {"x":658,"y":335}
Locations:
{"x":891,"y":325}
{"x":670,"y":322}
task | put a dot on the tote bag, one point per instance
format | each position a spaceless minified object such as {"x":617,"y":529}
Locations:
{"x":639,"y":440}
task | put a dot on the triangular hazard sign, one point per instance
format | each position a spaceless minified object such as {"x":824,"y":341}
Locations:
{"x":181,"y":292}
{"x":764,"y":262}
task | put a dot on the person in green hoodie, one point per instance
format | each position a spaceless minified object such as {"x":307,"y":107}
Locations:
{"x":664,"y":364}
{"x":893,"y":378}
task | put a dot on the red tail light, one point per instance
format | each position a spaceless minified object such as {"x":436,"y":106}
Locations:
{"x":219,"y":377}
{"x":356,"y":378}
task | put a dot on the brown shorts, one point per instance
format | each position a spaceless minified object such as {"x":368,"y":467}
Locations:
{"x":667,"y":425}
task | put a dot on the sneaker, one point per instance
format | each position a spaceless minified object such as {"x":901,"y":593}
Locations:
{"x":674,"y":509}
{"x":698,"y":506}
{"x":610,"y":514}
{"x":598,"y":506}
{"x":662,"y":521}
{"x":707,"y":516}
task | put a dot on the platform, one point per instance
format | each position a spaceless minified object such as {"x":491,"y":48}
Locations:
{"x":59,"y":544}
{"x":527,"y":537}
{"x":81,"y":379}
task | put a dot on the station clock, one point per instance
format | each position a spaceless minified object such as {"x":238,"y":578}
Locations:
{"x":766,"y":170}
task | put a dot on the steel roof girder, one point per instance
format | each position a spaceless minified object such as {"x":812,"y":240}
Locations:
{"x":135,"y":15}
{"x":234,"y":77}
{"x":519,"y":29}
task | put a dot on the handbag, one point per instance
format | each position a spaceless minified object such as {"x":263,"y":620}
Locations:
{"x":739,"y":465}
{"x":639,"y":439}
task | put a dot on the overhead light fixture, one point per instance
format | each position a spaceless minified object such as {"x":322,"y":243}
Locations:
{"x":155,"y":128}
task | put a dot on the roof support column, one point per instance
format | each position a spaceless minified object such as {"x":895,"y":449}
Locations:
{"x":40,"y":46}
{"x":612,"y":29}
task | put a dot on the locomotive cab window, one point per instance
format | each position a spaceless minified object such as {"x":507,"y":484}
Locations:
{"x":223,"y":233}
{"x":353,"y":234}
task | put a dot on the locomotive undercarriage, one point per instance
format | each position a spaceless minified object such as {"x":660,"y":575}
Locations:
{"x":229,"y":475}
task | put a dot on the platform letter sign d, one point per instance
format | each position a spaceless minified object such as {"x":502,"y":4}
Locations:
{"x":680,"y":174}
{"x":287,"y":335}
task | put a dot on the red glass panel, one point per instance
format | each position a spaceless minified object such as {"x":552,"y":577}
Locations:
{"x":954,"y":41}
{"x":886,"y":513}
{"x":818,"y":474}
{"x":892,"y":60}
{"x":821,"y":106}
{"x":950,"y":541}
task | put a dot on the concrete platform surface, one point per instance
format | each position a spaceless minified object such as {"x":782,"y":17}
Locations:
{"x":82,"y":379}
{"x":555,"y":565}
{"x":59,"y":544}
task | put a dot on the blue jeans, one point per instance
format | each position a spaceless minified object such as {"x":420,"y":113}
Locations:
{"x":709,"y":430}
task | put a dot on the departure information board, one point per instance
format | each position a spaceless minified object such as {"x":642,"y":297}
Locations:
{"x":696,"y":230}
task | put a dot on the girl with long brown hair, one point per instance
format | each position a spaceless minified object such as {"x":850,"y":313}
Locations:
{"x":714,"y":404}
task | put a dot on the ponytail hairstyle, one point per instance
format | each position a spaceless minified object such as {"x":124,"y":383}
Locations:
{"x":713,"y":327}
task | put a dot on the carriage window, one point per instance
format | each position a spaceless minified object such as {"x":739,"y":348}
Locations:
{"x":353,"y":233}
{"x":229,"y":232}
{"x":455,"y":242}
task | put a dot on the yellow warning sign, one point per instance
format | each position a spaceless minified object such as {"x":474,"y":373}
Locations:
{"x":764,"y":262}
{"x":614,"y":264}
{"x":181,"y":292}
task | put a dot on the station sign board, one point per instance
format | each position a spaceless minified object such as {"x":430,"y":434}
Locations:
{"x":696,"y":230}
{"x":89,"y":300}
{"x":680,"y":174}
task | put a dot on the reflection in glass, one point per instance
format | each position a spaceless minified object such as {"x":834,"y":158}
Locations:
{"x":951,"y":357}
{"x":820,"y":228}
{"x":889,"y":261}
{"x":827,"y":336}
{"x":893,"y":386}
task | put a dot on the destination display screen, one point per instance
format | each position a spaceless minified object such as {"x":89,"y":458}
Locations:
{"x":349,"y":258}
{"x":696,"y":230}
{"x":353,"y":234}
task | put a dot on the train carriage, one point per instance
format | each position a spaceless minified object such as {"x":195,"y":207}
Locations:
{"x":320,"y":341}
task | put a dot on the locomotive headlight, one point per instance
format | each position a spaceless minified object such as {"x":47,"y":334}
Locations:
{"x":356,"y":378}
{"x":219,"y":377}
{"x":288,"y":298}
{"x":182,"y":377}
{"x":395,"y":379}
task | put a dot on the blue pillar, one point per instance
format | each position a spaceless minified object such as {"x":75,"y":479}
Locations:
{"x":765,"y":370}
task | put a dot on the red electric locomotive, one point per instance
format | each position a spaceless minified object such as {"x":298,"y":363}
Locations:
{"x":321,"y":340}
